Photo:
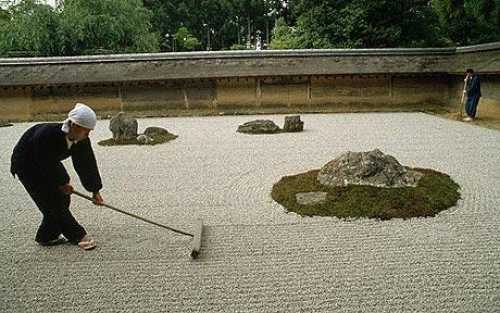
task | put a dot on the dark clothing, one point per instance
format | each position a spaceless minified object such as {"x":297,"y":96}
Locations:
{"x":39,"y":153}
{"x":471,"y":105}
{"x":57,"y":218}
{"x":473,"y":88}
{"x":37,"y":162}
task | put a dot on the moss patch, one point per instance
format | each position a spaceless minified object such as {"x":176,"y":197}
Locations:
{"x":157,"y":139}
{"x":434,"y":193}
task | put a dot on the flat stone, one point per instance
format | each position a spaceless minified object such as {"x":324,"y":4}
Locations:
{"x":309,"y":198}
{"x":259,"y":127}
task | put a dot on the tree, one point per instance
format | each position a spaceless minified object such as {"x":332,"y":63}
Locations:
{"x":468,"y":22}
{"x":224,"y":23}
{"x":166,"y":17}
{"x":29,"y":29}
{"x":284,"y":36}
{"x":116,"y":26}
{"x":4,"y":16}
{"x":185,"y":40}
{"x":252,"y":17}
{"x":363,"y":24}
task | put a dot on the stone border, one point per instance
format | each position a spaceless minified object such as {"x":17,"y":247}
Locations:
{"x":244,"y":54}
{"x":225,"y":54}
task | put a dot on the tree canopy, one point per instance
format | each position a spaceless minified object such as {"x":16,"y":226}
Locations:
{"x":78,"y":27}
{"x":109,"y":25}
{"x":75,"y":27}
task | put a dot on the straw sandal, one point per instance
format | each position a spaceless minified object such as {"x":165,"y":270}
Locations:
{"x":87,"y":243}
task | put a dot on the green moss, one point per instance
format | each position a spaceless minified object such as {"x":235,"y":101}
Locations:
{"x":434,"y":193}
{"x":157,"y":139}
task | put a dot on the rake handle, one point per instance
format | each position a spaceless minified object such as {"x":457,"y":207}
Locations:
{"x":133,"y":215}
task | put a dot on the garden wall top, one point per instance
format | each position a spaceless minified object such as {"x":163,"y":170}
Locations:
{"x":226,"y":64}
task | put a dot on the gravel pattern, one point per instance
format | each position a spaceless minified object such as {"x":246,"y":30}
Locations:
{"x":255,"y":256}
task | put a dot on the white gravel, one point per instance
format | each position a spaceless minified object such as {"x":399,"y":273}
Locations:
{"x":256,"y":257}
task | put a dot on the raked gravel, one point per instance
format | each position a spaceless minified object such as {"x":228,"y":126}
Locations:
{"x":255,"y":256}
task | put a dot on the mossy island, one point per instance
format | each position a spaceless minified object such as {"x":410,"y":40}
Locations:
{"x":368,"y":185}
{"x":124,"y":129}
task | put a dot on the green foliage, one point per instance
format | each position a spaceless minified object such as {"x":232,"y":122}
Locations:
{"x":115,"y":25}
{"x":222,"y":22}
{"x":31,"y":30}
{"x":185,"y":40}
{"x":123,"y":26}
{"x":4,"y":16}
{"x":285,"y":37}
{"x":237,"y":47}
{"x":366,"y":24}
{"x":79,"y":27}
{"x":466,"y":22}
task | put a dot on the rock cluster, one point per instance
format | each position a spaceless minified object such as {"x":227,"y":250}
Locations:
{"x":373,"y":168}
{"x":292,"y":124}
{"x":124,"y":129}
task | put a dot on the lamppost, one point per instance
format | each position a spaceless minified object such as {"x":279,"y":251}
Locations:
{"x":170,"y":39}
{"x":167,"y":41}
{"x":270,"y":15}
{"x":258,"y":40}
{"x":238,"y":27}
{"x":210,"y":30}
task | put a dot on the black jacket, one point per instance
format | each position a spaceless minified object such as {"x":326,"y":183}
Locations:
{"x":38,"y":155}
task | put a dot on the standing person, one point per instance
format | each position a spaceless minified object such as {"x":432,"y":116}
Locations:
{"x":473,"y":92}
{"x":36,"y":160}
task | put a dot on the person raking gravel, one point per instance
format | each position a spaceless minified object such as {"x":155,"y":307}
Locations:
{"x":36,"y":160}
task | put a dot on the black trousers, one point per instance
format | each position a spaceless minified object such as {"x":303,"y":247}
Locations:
{"x":54,"y":205}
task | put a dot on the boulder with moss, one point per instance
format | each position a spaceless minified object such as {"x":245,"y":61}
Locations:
{"x":123,"y":127}
{"x":372,"y":168}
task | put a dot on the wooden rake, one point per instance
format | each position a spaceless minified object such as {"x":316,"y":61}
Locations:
{"x":196,"y":235}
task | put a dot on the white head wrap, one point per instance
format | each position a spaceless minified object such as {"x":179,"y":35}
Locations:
{"x":81,"y":115}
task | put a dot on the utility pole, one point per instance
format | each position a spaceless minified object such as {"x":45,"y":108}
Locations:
{"x":249,"y":36}
{"x":239,"y":29}
{"x":209,"y":30}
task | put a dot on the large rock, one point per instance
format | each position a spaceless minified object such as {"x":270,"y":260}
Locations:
{"x":293,"y":124}
{"x":259,"y":127}
{"x":372,"y":168}
{"x":123,"y":127}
